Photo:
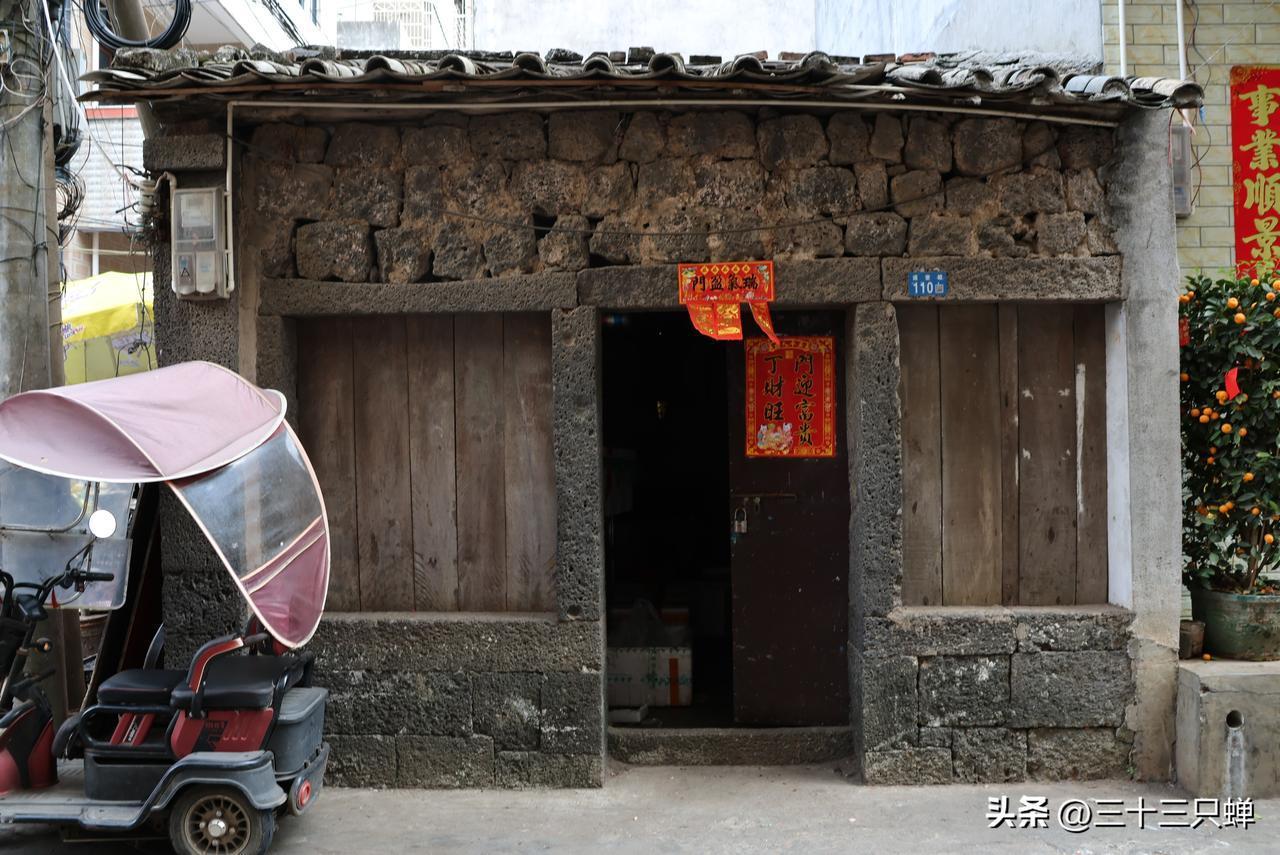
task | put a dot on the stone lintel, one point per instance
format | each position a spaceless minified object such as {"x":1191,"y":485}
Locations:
{"x":810,"y":282}
{"x":1075,"y":280}
{"x":539,"y":292}
{"x":186,"y":153}
{"x":978,"y":630}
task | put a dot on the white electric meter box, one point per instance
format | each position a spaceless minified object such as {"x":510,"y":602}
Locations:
{"x":199,"y":244}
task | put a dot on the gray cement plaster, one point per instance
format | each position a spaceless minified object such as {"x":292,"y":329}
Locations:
{"x":715,"y":811}
{"x":1208,"y":692}
{"x":1138,"y":187}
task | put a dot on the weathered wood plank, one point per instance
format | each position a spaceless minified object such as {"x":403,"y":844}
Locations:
{"x":433,"y":476}
{"x":326,"y":425}
{"x":921,"y":457}
{"x":530,"y":468}
{"x":1047,"y":468}
{"x":971,"y":474}
{"x":480,"y":435}
{"x":1091,"y":451}
{"x":1009,"y":452}
{"x":385,"y":529}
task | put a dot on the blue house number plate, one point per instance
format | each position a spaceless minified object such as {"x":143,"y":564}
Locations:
{"x":927,"y":283}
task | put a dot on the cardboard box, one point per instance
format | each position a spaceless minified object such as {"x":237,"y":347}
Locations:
{"x":657,"y":676}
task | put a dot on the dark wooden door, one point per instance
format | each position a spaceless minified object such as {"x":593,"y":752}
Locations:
{"x":790,"y":568}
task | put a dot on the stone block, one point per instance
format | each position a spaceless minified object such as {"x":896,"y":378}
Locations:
{"x":292,"y":191}
{"x":372,"y":194}
{"x":508,"y":136}
{"x":993,"y":279}
{"x":481,"y":188}
{"x":1084,"y":192}
{"x":335,"y":250}
{"x":943,"y":631}
{"x":435,"y":145}
{"x":791,"y":141}
{"x":1076,"y":754}
{"x":1061,"y":234}
{"x":549,"y":187}
{"x":890,"y":702}
{"x":669,"y":178}
{"x":1072,"y":628}
{"x":882,"y":233}
{"x":1100,"y":237}
{"x":368,"y":702}
{"x":774,"y":746}
{"x":928,"y":145}
{"x":573,"y":713}
{"x":185,"y":153}
{"x":675,"y":235}
{"x":509,"y":250}
{"x":424,"y":197}
{"x":989,"y":755}
{"x":734,"y":234}
{"x":728,"y":183}
{"x":886,"y":138}
{"x":610,"y":190}
{"x":508,"y":707}
{"x":873,"y":184}
{"x":1086,"y":688}
{"x":360,"y":144}
{"x":936,"y":737}
{"x":275,"y":247}
{"x":615,"y":240}
{"x":971,"y":197}
{"x":727,"y":135}
{"x":282,"y":143}
{"x":361,"y":761}
{"x":589,"y":136}
{"x":818,"y":189}
{"x":942,"y":234}
{"x":533,"y":770}
{"x":537,"y":292}
{"x":404,"y":255}
{"x":644,"y":138}
{"x":849,"y":138}
{"x":1085,"y":147}
{"x":1040,"y":146}
{"x":964,"y":691}
{"x":907,"y":767}
{"x":445,"y":762}
{"x":817,"y":240}
{"x":1034,"y":192}
{"x":566,"y":249}
{"x":456,"y":254}
{"x":986,"y":146}
{"x":917,"y":192}
{"x":999,"y":237}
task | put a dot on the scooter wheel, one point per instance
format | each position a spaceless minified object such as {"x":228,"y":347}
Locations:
{"x":219,"y":821}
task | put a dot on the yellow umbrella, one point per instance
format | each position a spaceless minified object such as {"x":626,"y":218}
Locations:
{"x":107,"y":326}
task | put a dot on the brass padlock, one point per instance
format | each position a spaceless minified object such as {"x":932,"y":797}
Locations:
{"x":740,"y":521}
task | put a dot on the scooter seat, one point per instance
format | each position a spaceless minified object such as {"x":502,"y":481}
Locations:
{"x":139,"y":687}
{"x":240,"y":682}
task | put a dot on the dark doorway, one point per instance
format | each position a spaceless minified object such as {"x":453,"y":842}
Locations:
{"x":766,"y":610}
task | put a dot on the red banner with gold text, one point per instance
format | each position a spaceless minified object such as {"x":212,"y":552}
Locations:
{"x":713,"y":294}
{"x":1255,"y":159}
{"x":791,"y":397}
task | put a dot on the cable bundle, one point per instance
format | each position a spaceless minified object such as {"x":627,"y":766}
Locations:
{"x":95,"y":16}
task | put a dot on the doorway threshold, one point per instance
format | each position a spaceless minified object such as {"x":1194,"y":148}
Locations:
{"x":729,"y":746}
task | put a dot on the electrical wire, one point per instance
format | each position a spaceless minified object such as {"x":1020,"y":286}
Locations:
{"x":97,"y":21}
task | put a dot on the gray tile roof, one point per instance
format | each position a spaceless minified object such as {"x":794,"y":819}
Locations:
{"x":972,"y":78}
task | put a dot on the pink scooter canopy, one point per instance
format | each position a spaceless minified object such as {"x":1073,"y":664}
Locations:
{"x":222,"y":445}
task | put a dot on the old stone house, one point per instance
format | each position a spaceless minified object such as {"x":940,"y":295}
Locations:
{"x":461,"y":271}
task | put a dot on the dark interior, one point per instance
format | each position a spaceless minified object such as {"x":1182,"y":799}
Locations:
{"x":666,"y":450}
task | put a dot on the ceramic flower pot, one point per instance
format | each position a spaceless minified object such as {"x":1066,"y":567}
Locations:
{"x":1238,"y":626}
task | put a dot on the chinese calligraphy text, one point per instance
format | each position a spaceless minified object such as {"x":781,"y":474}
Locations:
{"x":791,"y":397}
{"x":713,"y":294}
{"x":1255,"y":158}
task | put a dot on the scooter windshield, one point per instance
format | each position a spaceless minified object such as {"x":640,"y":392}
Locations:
{"x":264,"y":515}
{"x":44,"y":521}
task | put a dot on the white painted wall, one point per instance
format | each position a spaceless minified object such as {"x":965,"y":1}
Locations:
{"x":721,"y":27}
{"x":860,"y":27}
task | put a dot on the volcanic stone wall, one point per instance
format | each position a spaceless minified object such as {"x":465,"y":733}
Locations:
{"x":457,"y":198}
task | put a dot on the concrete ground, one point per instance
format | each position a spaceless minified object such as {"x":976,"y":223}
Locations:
{"x":805,"y":809}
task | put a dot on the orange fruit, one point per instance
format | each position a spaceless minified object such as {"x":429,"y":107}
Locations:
{"x":1195,"y":411}
{"x":1206,"y":657}
{"x":1213,"y":449}
{"x":1276,"y":394}
{"x":1269,"y":538}
{"x":1232,"y":303}
{"x":1222,"y":509}
{"x":1204,"y":420}
{"x":1240,"y":318}
{"x":1276,"y":313}
{"x":1255,"y":510}
{"x":1226,"y":428}
{"x":1254,"y":282}
{"x":1209,"y":460}
{"x":1244,"y":399}
{"x":1184,"y":377}
{"x":1271,"y":295}
{"x":1243,"y":432}
{"x":1221,"y":396}
{"x":1248,"y":476}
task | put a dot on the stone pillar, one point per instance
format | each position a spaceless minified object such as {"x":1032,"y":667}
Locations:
{"x":1143,"y":350}
{"x":882,"y":682}
{"x":576,"y":396}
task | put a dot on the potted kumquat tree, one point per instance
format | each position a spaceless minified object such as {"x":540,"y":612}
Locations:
{"x":1230,"y":378}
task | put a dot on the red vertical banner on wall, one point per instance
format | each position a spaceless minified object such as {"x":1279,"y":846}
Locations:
{"x":1255,"y":161}
{"x":791,"y":397}
{"x":713,"y":294}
